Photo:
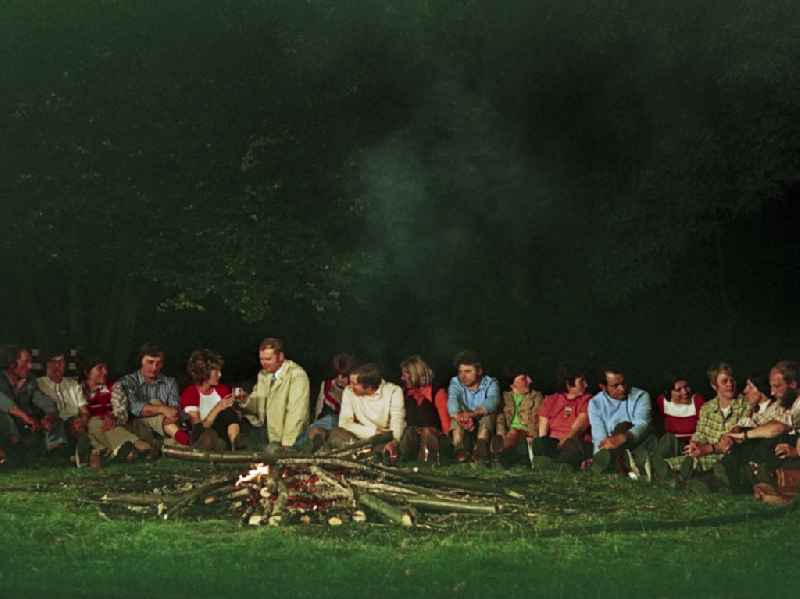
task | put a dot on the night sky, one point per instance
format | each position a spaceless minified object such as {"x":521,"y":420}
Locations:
{"x":543,"y":181}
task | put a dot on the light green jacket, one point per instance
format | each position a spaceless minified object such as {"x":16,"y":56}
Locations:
{"x":282,"y":405}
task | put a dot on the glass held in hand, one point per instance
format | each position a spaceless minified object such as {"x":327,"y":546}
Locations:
{"x":239,"y":395}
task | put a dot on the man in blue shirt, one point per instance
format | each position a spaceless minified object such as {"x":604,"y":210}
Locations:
{"x":620,"y":419}
{"x":472,"y":400}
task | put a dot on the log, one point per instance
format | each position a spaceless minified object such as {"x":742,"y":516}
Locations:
{"x":450,"y":506}
{"x":230,"y":457}
{"x":341,"y":489}
{"x":373,"y":441}
{"x":281,"y":500}
{"x":140,"y":499}
{"x":199,"y":493}
{"x":391,"y":512}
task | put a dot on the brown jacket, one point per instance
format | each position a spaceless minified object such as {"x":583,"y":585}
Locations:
{"x":528,"y":412}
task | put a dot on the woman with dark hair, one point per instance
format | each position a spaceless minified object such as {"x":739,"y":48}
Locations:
{"x":679,"y":409}
{"x":208,"y":404}
{"x":106,"y":436}
{"x":563,"y":421}
{"x":329,"y":400}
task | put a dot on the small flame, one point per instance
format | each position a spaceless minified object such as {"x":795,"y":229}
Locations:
{"x":259,"y":470}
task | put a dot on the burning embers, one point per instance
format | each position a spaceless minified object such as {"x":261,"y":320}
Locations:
{"x":327,"y":489}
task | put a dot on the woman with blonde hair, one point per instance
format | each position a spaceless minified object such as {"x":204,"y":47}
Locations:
{"x":424,"y":411}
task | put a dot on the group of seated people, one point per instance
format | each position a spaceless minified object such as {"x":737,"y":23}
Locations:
{"x":734,"y":440}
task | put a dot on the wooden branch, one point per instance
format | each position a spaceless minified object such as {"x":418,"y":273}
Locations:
{"x":391,"y":512}
{"x":230,"y":457}
{"x":449,"y":506}
{"x":381,"y":487}
{"x":199,"y":493}
{"x":140,"y":499}
{"x":340,"y":488}
{"x":281,"y":500}
{"x":373,"y":441}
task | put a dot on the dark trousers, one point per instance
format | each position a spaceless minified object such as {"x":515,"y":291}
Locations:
{"x":757,"y":451}
{"x":223,"y":420}
{"x":572,"y":452}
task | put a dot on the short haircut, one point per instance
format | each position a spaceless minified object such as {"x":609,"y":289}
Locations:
{"x":566,"y":375}
{"x":368,"y":375}
{"x":150,"y":349}
{"x":467,"y":358}
{"x":788,"y":369}
{"x":602,"y":373}
{"x":272,"y":343}
{"x":419,"y":373}
{"x":11,"y":354}
{"x":200,"y":364}
{"x":716,"y":369}
{"x":52,"y":353}
{"x":342,"y":364}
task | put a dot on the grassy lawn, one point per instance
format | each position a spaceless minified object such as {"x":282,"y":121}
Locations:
{"x":582,"y":535}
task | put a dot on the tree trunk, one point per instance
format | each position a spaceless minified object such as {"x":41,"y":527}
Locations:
{"x":128,"y":310}
{"x":78,"y":334}
{"x":40,"y":335}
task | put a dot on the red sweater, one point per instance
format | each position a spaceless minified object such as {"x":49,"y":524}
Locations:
{"x":99,"y":401}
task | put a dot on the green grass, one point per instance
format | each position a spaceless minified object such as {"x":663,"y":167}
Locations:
{"x":581,"y":535}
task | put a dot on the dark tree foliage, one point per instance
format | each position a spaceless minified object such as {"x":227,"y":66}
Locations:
{"x":541,"y":180}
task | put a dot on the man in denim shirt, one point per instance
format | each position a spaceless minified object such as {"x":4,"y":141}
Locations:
{"x":472,"y":401}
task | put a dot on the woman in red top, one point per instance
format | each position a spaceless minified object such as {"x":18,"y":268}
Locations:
{"x":679,"y":414}
{"x":107,"y":437}
{"x":208,"y":404}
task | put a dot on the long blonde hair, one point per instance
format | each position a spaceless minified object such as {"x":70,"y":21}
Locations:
{"x":419,"y":373}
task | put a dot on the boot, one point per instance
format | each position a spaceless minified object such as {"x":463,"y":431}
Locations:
{"x":482,"y":452}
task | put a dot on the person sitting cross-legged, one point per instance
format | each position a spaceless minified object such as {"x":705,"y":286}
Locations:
{"x":423,"y":438}
{"x":108,"y":439}
{"x":620,"y":420}
{"x":751,"y":454}
{"x":564,"y":422}
{"x":208,"y":404}
{"x":329,"y":401}
{"x":517,"y":421}
{"x":370,"y":406}
{"x":67,"y":394}
{"x":150,"y":399}
{"x":717,"y":417}
{"x":29,"y":422}
{"x":472,"y":402}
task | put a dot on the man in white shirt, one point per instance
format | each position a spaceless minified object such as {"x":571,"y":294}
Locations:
{"x":370,"y":406}
{"x":64,"y":391}
{"x":68,"y":396}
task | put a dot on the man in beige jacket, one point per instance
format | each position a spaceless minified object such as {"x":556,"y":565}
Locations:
{"x":280,"y":399}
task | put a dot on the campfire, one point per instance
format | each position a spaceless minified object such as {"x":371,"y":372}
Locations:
{"x":332,"y":489}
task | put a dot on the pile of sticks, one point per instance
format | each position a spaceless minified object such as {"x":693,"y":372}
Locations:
{"x":333,"y":488}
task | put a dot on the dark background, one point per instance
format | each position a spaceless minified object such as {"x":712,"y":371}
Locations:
{"x":543,"y":181}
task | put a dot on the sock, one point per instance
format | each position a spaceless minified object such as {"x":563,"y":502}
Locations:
{"x":182,"y":437}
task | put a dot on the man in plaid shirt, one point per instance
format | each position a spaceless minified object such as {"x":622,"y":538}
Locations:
{"x":717,"y":417}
